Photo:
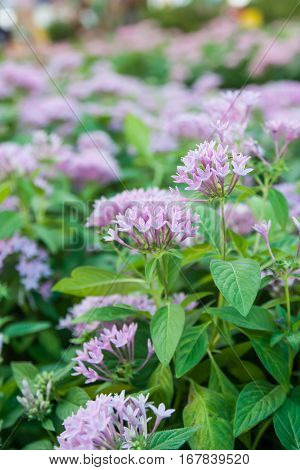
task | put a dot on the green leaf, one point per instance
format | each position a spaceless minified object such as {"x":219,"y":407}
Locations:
{"x":246,"y":371}
{"x":274,"y":358}
{"x":52,"y":237}
{"x":287,"y":425}
{"x":209,"y":225}
{"x":193,"y":254}
{"x":42,"y":444}
{"x":5,"y":190}
{"x":170,"y":440}
{"x":256,"y":402}
{"x":90,"y":280}
{"x":258,"y":318}
{"x":150,"y":269}
{"x":293,"y":339}
{"x":239,"y":242}
{"x":107,"y":314}
{"x":75,"y":398}
{"x":23,"y":328}
{"x":162,"y":378}
{"x":194,"y":297}
{"x":168,"y":269}
{"x":24,"y":370}
{"x":10,"y":222}
{"x":191,"y":348}
{"x":47,"y":424}
{"x":238,"y":281}
{"x":220,"y":383}
{"x":280,"y":207}
{"x":137,"y":134}
{"x":166,"y":328}
{"x":211,"y":412}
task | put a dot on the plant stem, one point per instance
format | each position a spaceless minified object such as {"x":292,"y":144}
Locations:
{"x":261,"y":432}
{"x":265,"y":190}
{"x":288,"y":303}
{"x":223,"y":244}
{"x":52,"y":437}
{"x":164,"y":277}
{"x":223,"y":231}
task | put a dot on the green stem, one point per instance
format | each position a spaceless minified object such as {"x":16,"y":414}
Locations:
{"x":288,"y":303}
{"x":223,"y":244}
{"x":261,"y":432}
{"x":223,"y":231}
{"x":52,"y":437}
{"x":265,"y":190}
{"x":164,"y":277}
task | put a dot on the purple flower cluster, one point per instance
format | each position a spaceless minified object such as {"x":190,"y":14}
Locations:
{"x":33,"y":262}
{"x":91,"y":164}
{"x":154,"y":227}
{"x":16,"y":75}
{"x":15,"y":158}
{"x":105,"y":210}
{"x":112,"y":422}
{"x":285,"y":131}
{"x":99,"y":139}
{"x":40,"y":111}
{"x":91,"y":361}
{"x":35,"y":158}
{"x":212,"y":170}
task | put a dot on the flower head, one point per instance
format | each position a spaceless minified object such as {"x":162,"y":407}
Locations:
{"x":105,"y":210}
{"x":35,"y":399}
{"x":263,"y":229}
{"x":153,"y":227}
{"x":33,"y":262}
{"x":211,"y":170}
{"x":112,"y":422}
{"x":112,"y":345}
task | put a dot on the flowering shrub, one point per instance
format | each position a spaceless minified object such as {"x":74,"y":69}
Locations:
{"x":141,"y":310}
{"x":115,"y":422}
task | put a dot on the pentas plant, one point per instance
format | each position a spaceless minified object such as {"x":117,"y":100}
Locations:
{"x":36,"y":398}
{"x":153,"y":228}
{"x":182,"y":306}
{"x":106,"y":209}
{"x":113,"y":422}
{"x":212,"y":170}
{"x":111,"y":355}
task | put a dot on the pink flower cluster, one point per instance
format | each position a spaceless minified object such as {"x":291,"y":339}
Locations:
{"x":92,"y":160}
{"x":105,"y":210}
{"x":33,"y":262}
{"x":283,"y":130}
{"x":16,"y":75}
{"x":212,"y":170}
{"x":92,"y":361}
{"x":92,"y":164}
{"x":154,"y":227}
{"x":112,"y":422}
